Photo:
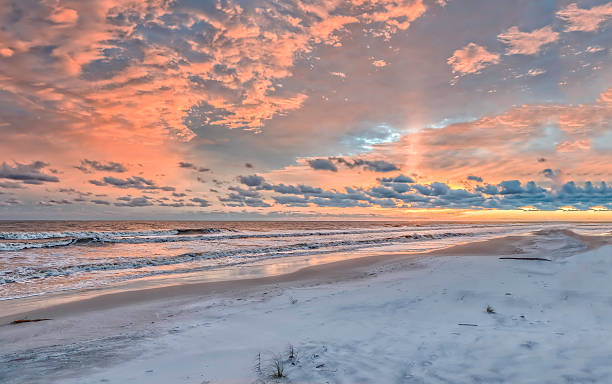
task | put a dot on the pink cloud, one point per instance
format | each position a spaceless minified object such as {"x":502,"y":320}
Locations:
{"x":6,"y":52}
{"x":395,"y":14}
{"x":536,"y":72}
{"x":471,"y":59}
{"x":574,"y":146}
{"x":606,"y":97}
{"x":516,"y":144}
{"x":254,"y":51}
{"x":324,"y":30}
{"x":586,"y":20}
{"x":64,"y":16}
{"x":527,"y":43}
{"x":595,"y":49}
{"x":128,"y":114}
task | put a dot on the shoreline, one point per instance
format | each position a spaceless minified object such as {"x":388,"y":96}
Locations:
{"x":318,"y":274}
{"x":328,"y":272}
{"x":50,"y":284}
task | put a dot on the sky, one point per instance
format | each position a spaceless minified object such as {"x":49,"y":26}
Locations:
{"x":306,"y":109}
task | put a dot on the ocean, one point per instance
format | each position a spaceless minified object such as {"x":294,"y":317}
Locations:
{"x":39,"y":258}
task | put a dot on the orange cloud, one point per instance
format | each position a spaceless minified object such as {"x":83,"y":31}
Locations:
{"x":64,"y":16}
{"x":527,"y":43}
{"x":585,"y":20}
{"x":471,"y":59}
{"x":574,"y":146}
{"x":519,"y":143}
{"x":148,"y":86}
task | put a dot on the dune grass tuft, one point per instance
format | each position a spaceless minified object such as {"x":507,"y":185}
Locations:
{"x":278,"y":367}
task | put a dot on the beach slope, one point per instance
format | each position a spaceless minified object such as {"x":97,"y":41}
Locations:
{"x":529,"y":309}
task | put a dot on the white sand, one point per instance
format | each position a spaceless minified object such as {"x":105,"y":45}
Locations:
{"x":391,"y":322}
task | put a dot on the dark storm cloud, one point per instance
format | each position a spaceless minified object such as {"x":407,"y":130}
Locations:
{"x":187,"y":165}
{"x":322,"y":165}
{"x":53,"y":202}
{"x":204,"y":114}
{"x":330,"y":164}
{"x":97,"y":182}
{"x":488,"y":189}
{"x":401,"y":187}
{"x":28,"y":173}
{"x":136,"y":182}
{"x":114,"y":60}
{"x":475,"y":178}
{"x":434,"y":189}
{"x":100,"y":202}
{"x":133,"y":202}
{"x":87,"y":166}
{"x":402,"y":179}
{"x":245,"y":192}
{"x":10,"y":185}
{"x":384,"y":192}
{"x":240,"y":197}
{"x":338,"y":202}
{"x":290,"y":189}
{"x":11,"y":202}
{"x":586,"y":196}
{"x":556,"y":175}
{"x":201,"y":202}
{"x":73,"y":191}
{"x":251,"y":181}
{"x":370,"y":165}
{"x":399,"y":184}
{"x":510,"y":187}
{"x":292,"y":201}
{"x":509,"y":194}
{"x":177,"y":204}
{"x":256,"y":203}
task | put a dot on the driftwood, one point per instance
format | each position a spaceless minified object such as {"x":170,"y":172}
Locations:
{"x":524,"y":258}
{"x":27,"y":321}
{"x":468,"y":324}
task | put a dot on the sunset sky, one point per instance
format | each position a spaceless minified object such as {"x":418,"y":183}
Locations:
{"x":306,"y":109}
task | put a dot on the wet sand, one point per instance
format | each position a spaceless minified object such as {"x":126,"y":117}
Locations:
{"x":319,"y":274}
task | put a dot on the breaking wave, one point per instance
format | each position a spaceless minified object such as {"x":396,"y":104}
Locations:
{"x":241,"y":256}
{"x":62,"y":239}
{"x":100,"y":234}
{"x":16,"y":241}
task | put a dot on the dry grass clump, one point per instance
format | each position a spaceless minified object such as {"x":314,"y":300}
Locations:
{"x":276,"y":366}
